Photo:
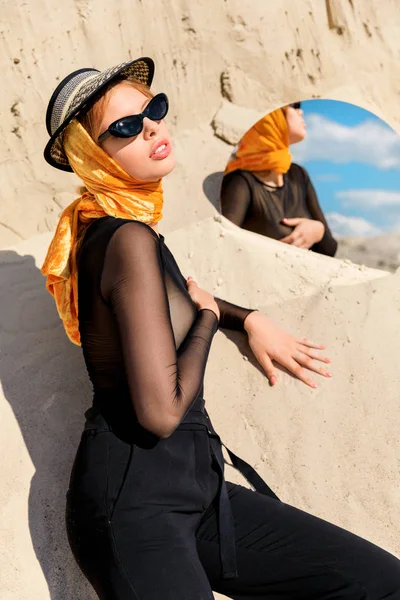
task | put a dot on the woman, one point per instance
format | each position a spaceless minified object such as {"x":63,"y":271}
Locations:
{"x":149,"y":514}
{"x":264,"y":192}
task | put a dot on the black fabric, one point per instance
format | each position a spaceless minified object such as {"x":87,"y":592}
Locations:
{"x":250,"y":474}
{"x":144,"y":523}
{"x":144,"y":343}
{"x":151,"y":518}
{"x":226,"y":526}
{"x":260,"y":208}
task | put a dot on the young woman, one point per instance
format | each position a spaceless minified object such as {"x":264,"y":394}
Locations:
{"x":149,"y":513}
{"x":264,"y":192}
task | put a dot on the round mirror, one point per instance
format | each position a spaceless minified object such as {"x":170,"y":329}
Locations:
{"x":321,"y":175}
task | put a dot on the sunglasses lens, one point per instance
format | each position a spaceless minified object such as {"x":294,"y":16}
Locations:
{"x":131,"y":126}
{"x":128,"y":127}
{"x":158,"y":107}
{"x":295,"y":105}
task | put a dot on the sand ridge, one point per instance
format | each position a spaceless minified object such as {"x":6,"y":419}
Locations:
{"x":333,"y":451}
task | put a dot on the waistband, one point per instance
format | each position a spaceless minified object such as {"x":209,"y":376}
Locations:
{"x":196,"y":418}
{"x":196,"y":415}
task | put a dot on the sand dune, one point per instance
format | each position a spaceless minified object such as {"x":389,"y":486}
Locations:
{"x":333,"y":451}
{"x":379,"y":252}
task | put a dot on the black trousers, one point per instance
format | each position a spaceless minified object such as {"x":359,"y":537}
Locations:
{"x":144,"y":523}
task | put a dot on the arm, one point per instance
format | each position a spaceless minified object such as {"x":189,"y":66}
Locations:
{"x":162,"y":383}
{"x":231,"y":315}
{"x":235,"y":201}
{"x":268,"y":342}
{"x":328,"y":244}
{"x":235,"y":198}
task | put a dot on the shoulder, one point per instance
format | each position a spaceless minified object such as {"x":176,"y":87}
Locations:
{"x":131,"y":236}
{"x":299,"y":172}
{"x":237,"y":175}
{"x":238,"y":179}
{"x":131,"y":251}
{"x":100,"y":233}
{"x":298,"y":175}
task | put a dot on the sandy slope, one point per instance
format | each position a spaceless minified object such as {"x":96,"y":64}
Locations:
{"x":333,"y":451}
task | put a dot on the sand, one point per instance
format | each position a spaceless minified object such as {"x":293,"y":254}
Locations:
{"x":379,"y":252}
{"x":333,"y":451}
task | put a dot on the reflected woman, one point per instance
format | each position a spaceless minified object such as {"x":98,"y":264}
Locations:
{"x":264,"y":192}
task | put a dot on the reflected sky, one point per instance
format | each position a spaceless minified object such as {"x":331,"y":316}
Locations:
{"x":353,"y":159}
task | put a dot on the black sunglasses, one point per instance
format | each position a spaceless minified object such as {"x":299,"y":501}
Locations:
{"x":131,"y":126}
{"x":295,"y":105}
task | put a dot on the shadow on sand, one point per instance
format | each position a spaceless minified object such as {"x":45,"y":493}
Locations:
{"x":44,"y":380}
{"x":212,"y":187}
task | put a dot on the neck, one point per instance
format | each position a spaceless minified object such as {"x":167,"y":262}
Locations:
{"x":270,"y":178}
{"x":155,"y":227}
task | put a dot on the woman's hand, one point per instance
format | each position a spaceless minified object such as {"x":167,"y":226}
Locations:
{"x":306,"y":233}
{"x":201,"y":298}
{"x":268,"y":342}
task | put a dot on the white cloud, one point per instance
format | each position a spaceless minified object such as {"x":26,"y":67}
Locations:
{"x":394,"y":225}
{"x":327,"y":177}
{"x":370,"y":198}
{"x":343,"y":225}
{"x":370,"y":142}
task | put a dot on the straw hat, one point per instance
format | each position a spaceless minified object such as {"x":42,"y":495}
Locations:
{"x":76,"y":92}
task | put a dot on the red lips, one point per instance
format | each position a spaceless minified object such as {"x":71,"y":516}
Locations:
{"x":162,"y":153}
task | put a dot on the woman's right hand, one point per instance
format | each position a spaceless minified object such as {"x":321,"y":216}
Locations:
{"x":201,"y":298}
{"x":305,"y":234}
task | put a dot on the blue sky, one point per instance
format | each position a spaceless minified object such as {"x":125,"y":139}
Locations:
{"x":353,"y":159}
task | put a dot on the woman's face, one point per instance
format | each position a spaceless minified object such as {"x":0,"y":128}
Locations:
{"x":137,"y":155}
{"x":296,"y":124}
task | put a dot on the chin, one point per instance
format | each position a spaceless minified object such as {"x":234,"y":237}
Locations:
{"x":299,"y":137}
{"x":166,"y":166}
{"x":154,"y":171}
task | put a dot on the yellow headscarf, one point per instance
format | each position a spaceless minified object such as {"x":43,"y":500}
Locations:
{"x":112,"y":192}
{"x":265,"y":147}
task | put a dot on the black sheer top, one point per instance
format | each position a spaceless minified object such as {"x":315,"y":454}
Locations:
{"x":255,"y":206}
{"x":144,"y":342}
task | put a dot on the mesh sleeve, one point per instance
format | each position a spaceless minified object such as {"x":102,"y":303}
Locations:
{"x":328,"y":244}
{"x":231,"y":315}
{"x":162,"y":382}
{"x":235,"y":198}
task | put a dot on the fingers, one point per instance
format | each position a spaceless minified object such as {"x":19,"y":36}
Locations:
{"x":314,"y":355}
{"x":292,"y":222}
{"x":297,"y":370}
{"x":269,"y":368}
{"x":310,"y":344}
{"x":289,"y":239}
{"x":299,"y":242}
{"x":191,"y":282}
{"x":300,"y":236}
{"x":304,"y":244}
{"x":307,"y":361}
{"x":299,"y":239}
{"x":296,"y":238}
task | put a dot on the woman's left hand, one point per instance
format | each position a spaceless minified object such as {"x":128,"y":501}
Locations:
{"x":268,"y":342}
{"x":306,"y":233}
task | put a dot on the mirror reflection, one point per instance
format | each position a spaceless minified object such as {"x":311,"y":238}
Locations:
{"x":316,"y":173}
